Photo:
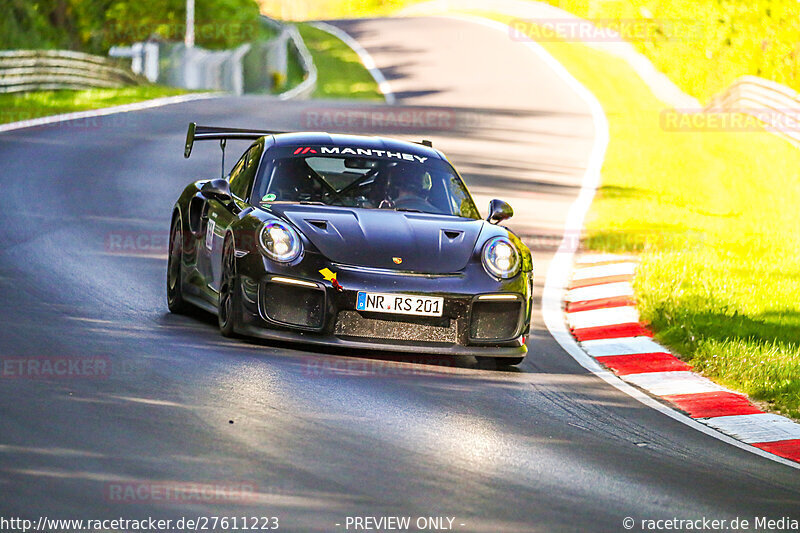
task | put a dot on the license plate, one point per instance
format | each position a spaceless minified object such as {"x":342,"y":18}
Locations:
{"x":403,"y":304}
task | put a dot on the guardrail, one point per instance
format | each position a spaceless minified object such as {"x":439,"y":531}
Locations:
{"x":33,"y":70}
{"x":296,"y":46}
{"x":198,"y":68}
{"x":776,"y":105}
{"x":307,"y":87}
{"x":252,"y":68}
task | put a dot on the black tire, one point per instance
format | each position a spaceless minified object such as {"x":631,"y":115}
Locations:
{"x":228,"y":306}
{"x":500,"y":362}
{"x":175,"y":301}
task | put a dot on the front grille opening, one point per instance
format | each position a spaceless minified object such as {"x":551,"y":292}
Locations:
{"x":294,"y":306}
{"x":438,"y":321}
{"x":353,"y":324}
{"x":494,"y":321}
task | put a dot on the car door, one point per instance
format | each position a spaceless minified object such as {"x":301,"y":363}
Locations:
{"x":216,"y":218}
{"x":221,"y":217}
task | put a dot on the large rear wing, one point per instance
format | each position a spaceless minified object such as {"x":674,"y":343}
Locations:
{"x":221,"y":134}
{"x":215,"y":133}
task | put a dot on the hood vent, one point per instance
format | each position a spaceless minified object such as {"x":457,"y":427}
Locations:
{"x":321,"y":224}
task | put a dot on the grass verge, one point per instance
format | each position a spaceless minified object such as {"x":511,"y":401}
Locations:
{"x":704,"y":45}
{"x":714,"y":216}
{"x":25,"y":106}
{"x":340,"y":72}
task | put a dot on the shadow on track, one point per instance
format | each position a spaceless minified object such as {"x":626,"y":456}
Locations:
{"x":372,"y":360}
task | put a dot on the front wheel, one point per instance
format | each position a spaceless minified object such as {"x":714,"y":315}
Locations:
{"x":175,"y":301}
{"x":227,"y":309}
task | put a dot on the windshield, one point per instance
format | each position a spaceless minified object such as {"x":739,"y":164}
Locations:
{"x":429,"y":186}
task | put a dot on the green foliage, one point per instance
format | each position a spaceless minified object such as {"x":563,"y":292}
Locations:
{"x":716,"y":41}
{"x":218,"y":23}
{"x":27,"y":24}
{"x":96,"y":25}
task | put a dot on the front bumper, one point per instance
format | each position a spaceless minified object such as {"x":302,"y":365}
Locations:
{"x":295,"y":304}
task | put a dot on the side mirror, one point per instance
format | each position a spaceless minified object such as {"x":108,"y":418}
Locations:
{"x":217,"y":189}
{"x":499,"y":211}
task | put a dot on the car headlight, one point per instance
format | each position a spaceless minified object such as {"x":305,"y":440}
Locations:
{"x":280,"y":242}
{"x":500,"y":258}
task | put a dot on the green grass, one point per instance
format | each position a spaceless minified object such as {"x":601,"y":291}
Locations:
{"x":706,"y":44}
{"x":340,"y":72}
{"x":24,"y":106}
{"x":715,"y":218}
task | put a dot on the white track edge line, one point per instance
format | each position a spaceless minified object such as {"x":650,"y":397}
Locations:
{"x":363,"y":55}
{"x":561,"y":266}
{"x":298,"y":89}
{"x":105,"y":111}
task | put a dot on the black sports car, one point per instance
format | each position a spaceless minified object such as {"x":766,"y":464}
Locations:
{"x":352,"y":241}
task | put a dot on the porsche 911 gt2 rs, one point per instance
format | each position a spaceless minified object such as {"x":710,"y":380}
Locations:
{"x":352,"y":241}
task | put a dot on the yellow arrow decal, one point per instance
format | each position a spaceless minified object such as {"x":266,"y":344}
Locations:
{"x":327,"y":274}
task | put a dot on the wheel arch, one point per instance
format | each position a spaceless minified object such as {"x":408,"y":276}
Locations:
{"x":176,"y":213}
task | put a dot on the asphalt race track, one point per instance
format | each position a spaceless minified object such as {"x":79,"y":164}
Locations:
{"x":324,"y":435}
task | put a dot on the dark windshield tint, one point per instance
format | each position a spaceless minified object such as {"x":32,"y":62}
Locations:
{"x":431,"y":186}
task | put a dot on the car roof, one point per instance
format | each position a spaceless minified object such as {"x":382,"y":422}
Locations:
{"x":355,"y":141}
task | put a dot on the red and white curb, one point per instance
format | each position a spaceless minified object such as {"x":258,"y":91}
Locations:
{"x":614,"y":290}
{"x":602,"y":317}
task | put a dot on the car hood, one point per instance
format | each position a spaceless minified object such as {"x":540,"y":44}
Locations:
{"x":378,"y":238}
